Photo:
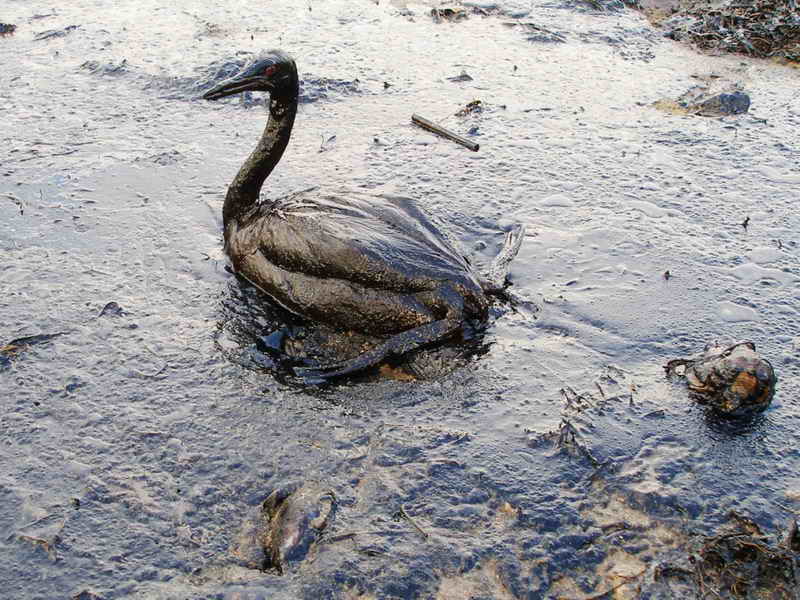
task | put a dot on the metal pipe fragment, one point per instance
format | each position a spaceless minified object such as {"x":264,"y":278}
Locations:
{"x":439,"y":130}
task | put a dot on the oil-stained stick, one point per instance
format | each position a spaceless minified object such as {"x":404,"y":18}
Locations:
{"x":439,"y":130}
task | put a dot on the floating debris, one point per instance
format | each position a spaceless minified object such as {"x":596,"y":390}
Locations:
{"x":42,"y":16}
{"x":294,"y":521}
{"x":600,"y":5}
{"x":54,"y":33}
{"x":760,"y":28}
{"x":112,"y":309}
{"x":743,"y":563}
{"x":170,"y":157}
{"x":403,"y":514}
{"x":439,"y":130}
{"x":448,"y":13}
{"x":16,"y":201}
{"x":464,"y":76}
{"x":7,"y":29}
{"x":537,"y":33}
{"x":474,"y":107}
{"x":212,"y":30}
{"x":734,"y":380}
{"x":86,"y":595}
{"x":327,"y":143}
{"x":16,"y":347}
{"x":98,"y":68}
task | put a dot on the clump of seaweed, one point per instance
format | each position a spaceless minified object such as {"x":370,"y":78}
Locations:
{"x":742,"y":563}
{"x":760,"y":28}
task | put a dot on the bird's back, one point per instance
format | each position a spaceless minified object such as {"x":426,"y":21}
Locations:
{"x":380,"y":241}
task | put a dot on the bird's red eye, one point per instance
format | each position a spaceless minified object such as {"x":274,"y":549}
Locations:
{"x":270,"y":70}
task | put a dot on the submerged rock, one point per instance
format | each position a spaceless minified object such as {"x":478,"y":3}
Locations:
{"x":734,"y":380}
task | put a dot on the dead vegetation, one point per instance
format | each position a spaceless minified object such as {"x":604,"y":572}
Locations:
{"x":759,"y":28}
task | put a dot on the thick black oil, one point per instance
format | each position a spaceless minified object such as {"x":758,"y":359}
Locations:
{"x":135,"y":444}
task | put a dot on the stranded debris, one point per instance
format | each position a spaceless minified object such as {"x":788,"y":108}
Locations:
{"x":439,"y":130}
{"x":733,"y":380}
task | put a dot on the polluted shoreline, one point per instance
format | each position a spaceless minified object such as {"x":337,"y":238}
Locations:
{"x":574,"y":446}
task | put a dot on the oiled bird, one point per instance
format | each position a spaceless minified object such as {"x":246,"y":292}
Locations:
{"x":370,"y":263}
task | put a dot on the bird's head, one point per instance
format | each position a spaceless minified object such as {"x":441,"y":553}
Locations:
{"x":273,"y":72}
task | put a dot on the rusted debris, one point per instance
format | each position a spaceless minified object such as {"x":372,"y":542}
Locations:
{"x":439,"y":130}
{"x":733,"y":380}
{"x":7,"y":29}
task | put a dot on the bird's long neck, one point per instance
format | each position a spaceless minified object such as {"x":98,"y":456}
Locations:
{"x":243,"y":193}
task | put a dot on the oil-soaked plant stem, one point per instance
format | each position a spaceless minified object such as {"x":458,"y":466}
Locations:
{"x":599,"y":389}
{"x":408,"y":518}
{"x":352,"y":534}
{"x":439,"y":130}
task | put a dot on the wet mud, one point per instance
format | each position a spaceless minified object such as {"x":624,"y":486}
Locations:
{"x":138,"y":444}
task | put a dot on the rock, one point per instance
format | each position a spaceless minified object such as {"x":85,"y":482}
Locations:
{"x":733,"y":380}
{"x":736,"y":103}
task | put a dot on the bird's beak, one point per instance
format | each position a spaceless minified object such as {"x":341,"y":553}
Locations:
{"x":234,"y":85}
